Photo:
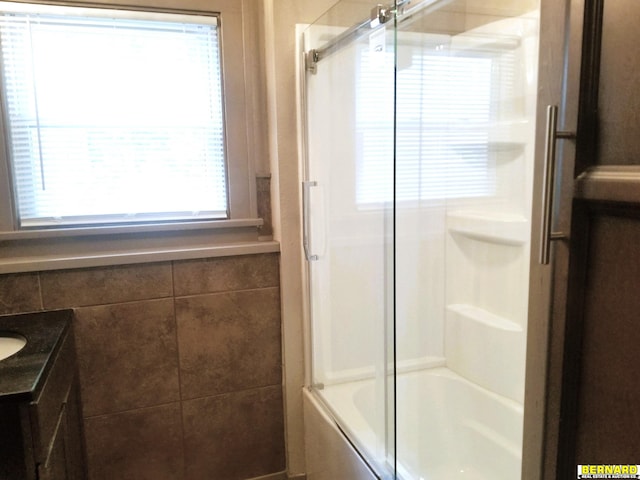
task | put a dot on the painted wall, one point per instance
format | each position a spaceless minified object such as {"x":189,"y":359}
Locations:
{"x":279,"y":20}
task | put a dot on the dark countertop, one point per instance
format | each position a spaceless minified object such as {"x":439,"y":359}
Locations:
{"x":22,"y":375}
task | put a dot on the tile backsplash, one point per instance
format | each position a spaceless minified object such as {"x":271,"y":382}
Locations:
{"x":180,"y":364}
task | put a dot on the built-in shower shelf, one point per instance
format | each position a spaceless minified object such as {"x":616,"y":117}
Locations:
{"x":486,"y":349}
{"x":471,"y":313}
{"x":500,"y":147}
{"x":510,"y":134}
{"x":505,"y":229}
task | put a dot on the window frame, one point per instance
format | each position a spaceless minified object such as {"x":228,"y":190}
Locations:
{"x":54,"y":18}
{"x":244,"y":138}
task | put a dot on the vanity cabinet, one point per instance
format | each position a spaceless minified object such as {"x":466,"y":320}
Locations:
{"x":44,"y":436}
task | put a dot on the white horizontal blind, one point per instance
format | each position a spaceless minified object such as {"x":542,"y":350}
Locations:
{"x":113,"y":119}
{"x":443,"y":112}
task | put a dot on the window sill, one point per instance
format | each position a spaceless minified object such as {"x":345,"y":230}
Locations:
{"x":126,"y":229}
{"x":38,"y":250}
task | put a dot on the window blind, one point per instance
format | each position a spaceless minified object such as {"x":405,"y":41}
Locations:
{"x":445,"y":102}
{"x":113,"y":119}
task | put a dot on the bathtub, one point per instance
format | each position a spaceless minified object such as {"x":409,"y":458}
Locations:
{"x":447,"y":428}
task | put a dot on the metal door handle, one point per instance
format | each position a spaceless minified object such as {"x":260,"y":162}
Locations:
{"x":549,"y":175}
{"x":306,"y":188}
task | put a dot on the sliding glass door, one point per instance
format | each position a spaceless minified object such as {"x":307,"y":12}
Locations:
{"x":349,"y":220}
{"x":465,"y":129}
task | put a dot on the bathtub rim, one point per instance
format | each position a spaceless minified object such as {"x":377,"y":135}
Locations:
{"x":357,"y":447}
{"x":364,"y":451}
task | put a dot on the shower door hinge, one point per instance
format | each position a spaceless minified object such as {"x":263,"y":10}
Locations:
{"x":311,"y":59}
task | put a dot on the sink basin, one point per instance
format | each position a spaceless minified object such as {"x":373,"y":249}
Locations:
{"x":11,"y":343}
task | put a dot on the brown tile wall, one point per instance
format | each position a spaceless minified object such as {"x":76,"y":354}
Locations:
{"x":180,"y":364}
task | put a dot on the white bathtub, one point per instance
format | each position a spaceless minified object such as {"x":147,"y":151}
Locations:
{"x":447,"y":427}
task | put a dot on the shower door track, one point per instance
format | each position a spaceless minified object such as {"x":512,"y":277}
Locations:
{"x":379,"y":16}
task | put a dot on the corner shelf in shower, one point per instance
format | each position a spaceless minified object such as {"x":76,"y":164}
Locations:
{"x":510,"y":134}
{"x":471,"y":313}
{"x":486,"y":349}
{"x":504,"y":229}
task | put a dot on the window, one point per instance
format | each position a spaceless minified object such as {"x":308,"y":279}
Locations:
{"x":112,"y":116}
{"x":181,"y":89}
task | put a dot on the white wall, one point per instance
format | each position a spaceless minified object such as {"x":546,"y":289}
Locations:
{"x":279,"y":20}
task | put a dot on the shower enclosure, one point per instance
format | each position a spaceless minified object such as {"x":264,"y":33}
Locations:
{"x":420,"y":153}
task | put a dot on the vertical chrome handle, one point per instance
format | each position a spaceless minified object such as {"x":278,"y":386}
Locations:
{"x":549,"y":175}
{"x":306,"y":188}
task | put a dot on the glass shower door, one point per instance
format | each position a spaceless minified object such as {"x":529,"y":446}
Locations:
{"x":348,"y":227}
{"x":465,"y":118}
